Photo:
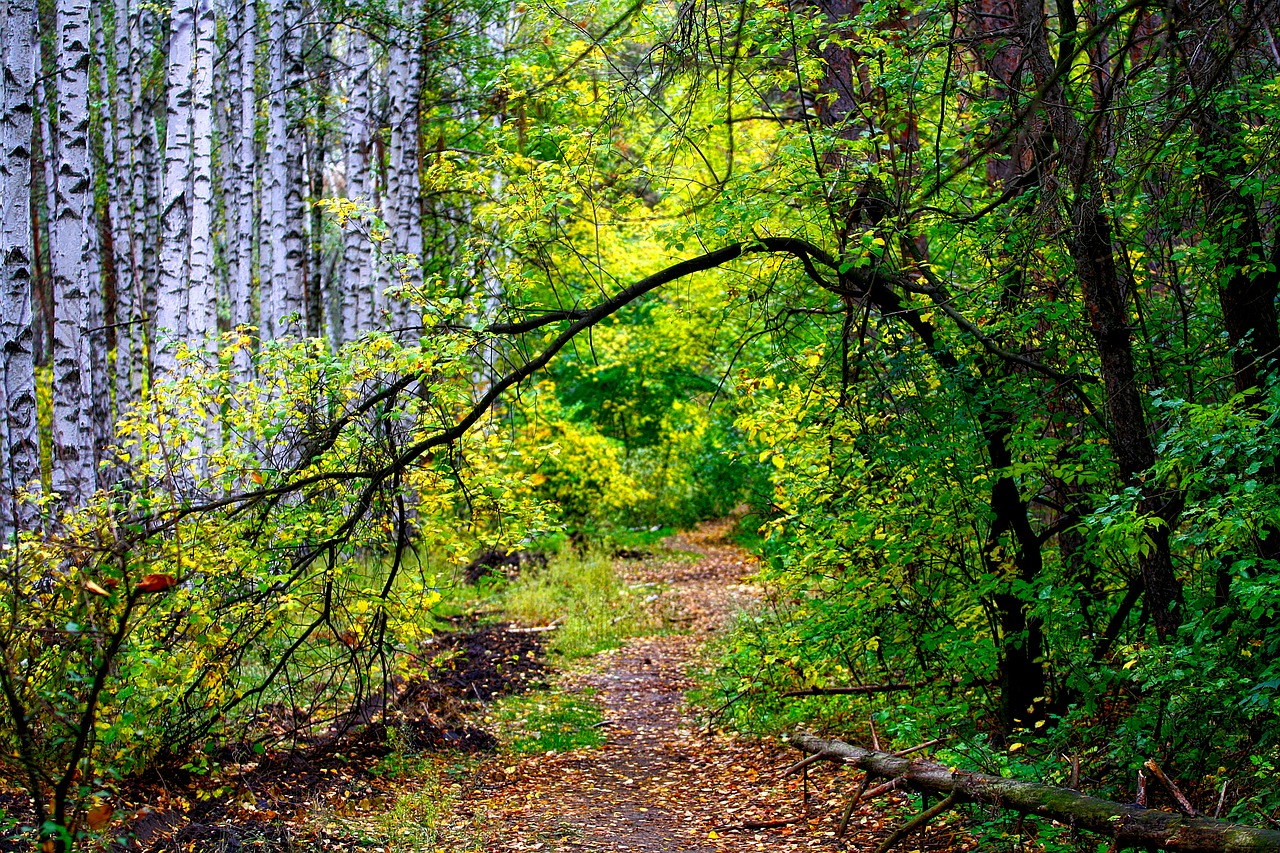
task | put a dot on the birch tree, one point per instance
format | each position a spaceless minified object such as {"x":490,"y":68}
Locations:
{"x":122,"y":147}
{"x":19,"y":443}
{"x":242,"y":153}
{"x":72,"y":255}
{"x":404,"y":193}
{"x":186,"y":299}
{"x":283,"y":287}
{"x":357,"y":292}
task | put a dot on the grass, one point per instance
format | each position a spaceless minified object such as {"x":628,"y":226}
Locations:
{"x":643,"y":539}
{"x":594,"y":609}
{"x":415,"y":816}
{"x":548,"y":722}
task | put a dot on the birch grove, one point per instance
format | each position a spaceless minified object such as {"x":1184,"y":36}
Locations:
{"x":202,"y":215}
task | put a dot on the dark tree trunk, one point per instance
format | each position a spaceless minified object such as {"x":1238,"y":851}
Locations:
{"x":1090,"y":245}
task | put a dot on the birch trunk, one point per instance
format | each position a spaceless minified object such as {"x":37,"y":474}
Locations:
{"x":283,"y":200}
{"x":357,"y":291}
{"x":19,"y":443}
{"x":72,"y":254}
{"x":241,"y":204}
{"x":122,"y":147}
{"x":143,"y":191}
{"x":404,"y":214}
{"x":202,"y":300}
{"x":173,"y":297}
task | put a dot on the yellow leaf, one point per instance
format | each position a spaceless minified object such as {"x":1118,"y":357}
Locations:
{"x":1014,"y":747}
{"x":779,"y":462}
{"x":713,"y":834}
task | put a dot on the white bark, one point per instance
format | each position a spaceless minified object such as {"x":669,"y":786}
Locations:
{"x":242,"y":152}
{"x":72,"y":255}
{"x":143,"y":191}
{"x":121,"y":146}
{"x":173,"y":297}
{"x":19,"y":436}
{"x":282,"y":299}
{"x":357,"y":278}
{"x":404,"y":193}
{"x":202,"y":316}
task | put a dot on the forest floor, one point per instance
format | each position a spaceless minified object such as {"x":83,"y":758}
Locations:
{"x":663,"y":780}
{"x":642,"y":770}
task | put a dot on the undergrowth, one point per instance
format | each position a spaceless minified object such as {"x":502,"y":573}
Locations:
{"x":590,"y":605}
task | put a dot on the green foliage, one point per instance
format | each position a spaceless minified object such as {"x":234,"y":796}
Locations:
{"x":163,"y":614}
{"x":583,"y":595}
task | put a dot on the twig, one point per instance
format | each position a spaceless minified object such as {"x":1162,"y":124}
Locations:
{"x":917,"y":822}
{"x":803,"y":763}
{"x":924,"y":745}
{"x":1222,"y":795}
{"x":885,"y":787}
{"x":759,"y":824}
{"x":1142,"y":789}
{"x":857,"y":690}
{"x":1184,"y":805}
{"x":875,"y":739}
{"x":851,"y":805}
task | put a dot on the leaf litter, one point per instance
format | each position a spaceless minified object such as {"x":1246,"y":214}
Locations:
{"x":662,"y":781}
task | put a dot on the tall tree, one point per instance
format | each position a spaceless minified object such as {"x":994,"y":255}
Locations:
{"x":404,"y":192}
{"x":284,"y":283}
{"x":241,"y":153}
{"x":19,"y":441}
{"x":357,"y":277}
{"x":73,"y":257}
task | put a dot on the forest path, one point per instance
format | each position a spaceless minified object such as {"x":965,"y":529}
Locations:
{"x":660,"y":782}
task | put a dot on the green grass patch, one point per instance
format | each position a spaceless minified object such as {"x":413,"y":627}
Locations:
{"x":546,"y":722}
{"x":594,"y":609}
{"x":644,"y":539}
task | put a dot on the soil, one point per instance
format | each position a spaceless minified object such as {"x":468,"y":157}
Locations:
{"x":663,"y":782}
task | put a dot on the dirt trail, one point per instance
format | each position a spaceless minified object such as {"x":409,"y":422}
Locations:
{"x":661,"y":783}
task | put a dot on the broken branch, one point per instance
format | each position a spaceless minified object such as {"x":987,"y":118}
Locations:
{"x":1184,"y":805}
{"x":917,"y":822}
{"x":1127,"y":825}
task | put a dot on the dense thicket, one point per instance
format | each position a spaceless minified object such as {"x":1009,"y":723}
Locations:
{"x":976,"y":302}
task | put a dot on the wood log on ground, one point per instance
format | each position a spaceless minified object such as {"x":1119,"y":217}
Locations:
{"x":1126,"y":825}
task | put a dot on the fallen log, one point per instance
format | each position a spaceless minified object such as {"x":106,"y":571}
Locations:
{"x":1127,"y":826}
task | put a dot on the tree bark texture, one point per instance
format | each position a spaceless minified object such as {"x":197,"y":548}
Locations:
{"x":72,"y":255}
{"x":19,"y":441}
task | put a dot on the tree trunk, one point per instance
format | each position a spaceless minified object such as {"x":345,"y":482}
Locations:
{"x":1090,"y":244}
{"x":243,"y":153}
{"x":283,"y":290}
{"x":173,"y":297}
{"x":20,"y":440}
{"x":124,"y":219}
{"x":357,"y":280}
{"x":72,"y":255}
{"x":403,"y":213}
